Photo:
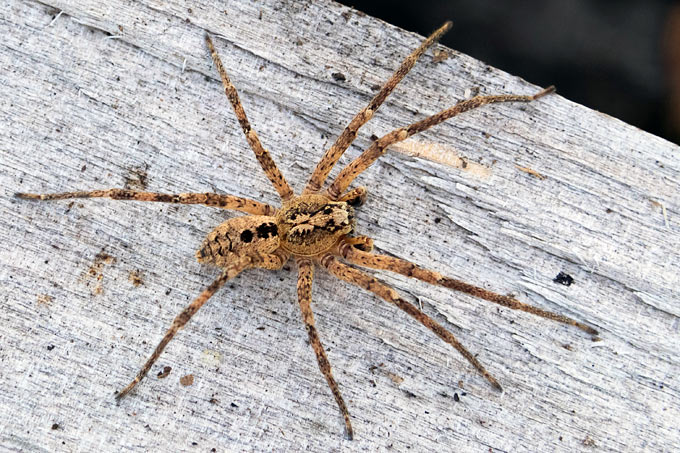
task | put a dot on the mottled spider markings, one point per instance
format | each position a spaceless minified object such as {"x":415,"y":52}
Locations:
{"x":316,"y":227}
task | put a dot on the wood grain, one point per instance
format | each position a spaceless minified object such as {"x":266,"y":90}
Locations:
{"x":96,"y":95}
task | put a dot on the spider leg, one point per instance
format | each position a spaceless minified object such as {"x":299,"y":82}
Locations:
{"x":378,"y":148}
{"x":262,"y":155}
{"x":184,"y":317}
{"x":360,"y":242}
{"x":355,"y":197}
{"x":304,"y":290}
{"x":369,"y":283}
{"x":403,"y":267}
{"x":209,"y":199}
{"x":348,"y":135}
{"x":273,"y":261}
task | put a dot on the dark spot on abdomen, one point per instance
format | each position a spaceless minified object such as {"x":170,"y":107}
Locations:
{"x":246,"y":236}
{"x":266,"y":230}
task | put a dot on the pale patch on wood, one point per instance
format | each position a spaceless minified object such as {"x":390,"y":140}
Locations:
{"x":137,"y":178}
{"x":45,"y":299}
{"x":531,"y":171}
{"x":135,"y":277}
{"x":442,"y":154}
{"x":663,"y":211}
{"x":440,"y":55}
{"x":95,"y":273}
{"x":211,"y":357}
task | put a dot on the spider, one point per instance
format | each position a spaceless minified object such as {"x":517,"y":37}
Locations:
{"x":316,"y":228}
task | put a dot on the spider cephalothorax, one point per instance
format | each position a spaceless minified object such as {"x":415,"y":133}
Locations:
{"x":314,"y":227}
{"x":313,"y":224}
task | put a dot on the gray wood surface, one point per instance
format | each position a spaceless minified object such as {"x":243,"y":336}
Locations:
{"x":120,"y":93}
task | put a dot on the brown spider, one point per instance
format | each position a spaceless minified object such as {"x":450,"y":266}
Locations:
{"x":316,"y":227}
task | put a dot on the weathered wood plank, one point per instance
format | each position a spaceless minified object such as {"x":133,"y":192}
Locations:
{"x":97,"y":95}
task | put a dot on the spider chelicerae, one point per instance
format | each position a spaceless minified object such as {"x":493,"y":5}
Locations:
{"x":316,"y":228}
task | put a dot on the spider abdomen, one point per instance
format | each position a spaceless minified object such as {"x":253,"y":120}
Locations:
{"x":309,"y":225}
{"x":251,"y":235}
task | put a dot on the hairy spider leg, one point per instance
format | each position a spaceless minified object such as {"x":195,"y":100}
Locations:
{"x":369,"y":283}
{"x":348,"y":135}
{"x":184,"y":317}
{"x":356,"y":256}
{"x":378,"y":148}
{"x":209,"y":199}
{"x":262,"y":155}
{"x":355,"y":197}
{"x":304,"y":290}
